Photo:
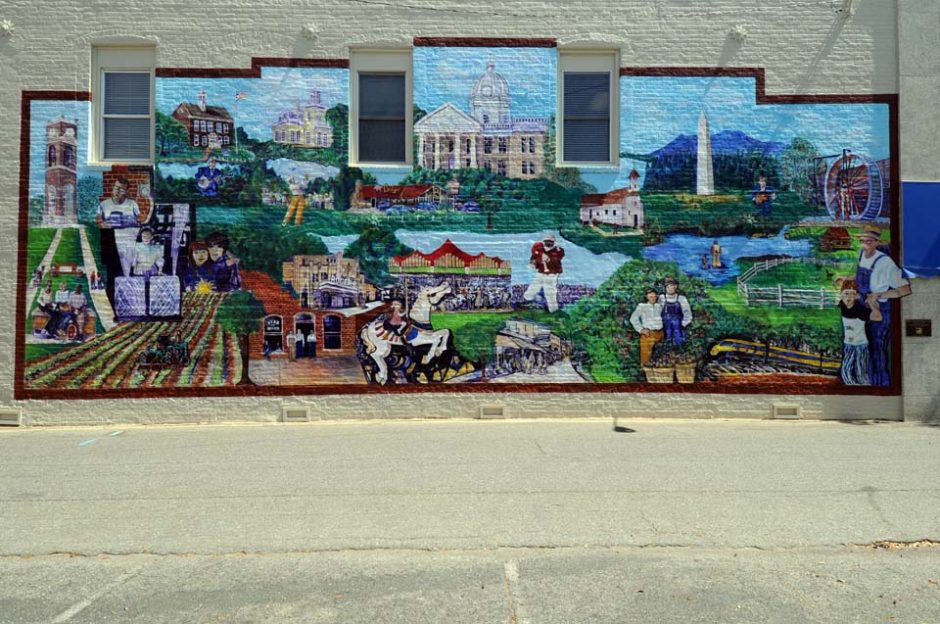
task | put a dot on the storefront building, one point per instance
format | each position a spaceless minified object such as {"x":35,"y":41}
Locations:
{"x":708,"y":211}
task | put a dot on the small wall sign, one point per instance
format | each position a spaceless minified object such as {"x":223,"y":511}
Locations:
{"x":918,"y":327}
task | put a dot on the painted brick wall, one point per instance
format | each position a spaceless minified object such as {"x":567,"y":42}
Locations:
{"x":806,"y":48}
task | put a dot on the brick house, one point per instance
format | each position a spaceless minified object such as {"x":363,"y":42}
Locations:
{"x":208,"y":126}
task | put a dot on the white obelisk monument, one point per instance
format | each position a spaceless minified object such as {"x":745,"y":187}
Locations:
{"x":705,"y":176}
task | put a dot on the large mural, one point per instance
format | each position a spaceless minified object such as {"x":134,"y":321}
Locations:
{"x":743,"y":245}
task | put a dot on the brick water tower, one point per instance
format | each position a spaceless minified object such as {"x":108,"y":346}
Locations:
{"x":61,"y":172}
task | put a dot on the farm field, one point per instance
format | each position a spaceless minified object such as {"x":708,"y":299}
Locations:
{"x":110,"y":360}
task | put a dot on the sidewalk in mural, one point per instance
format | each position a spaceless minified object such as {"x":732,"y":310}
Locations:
{"x":99,"y":297}
{"x":324,"y":369}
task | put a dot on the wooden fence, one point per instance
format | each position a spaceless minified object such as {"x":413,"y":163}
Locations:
{"x":780,"y":295}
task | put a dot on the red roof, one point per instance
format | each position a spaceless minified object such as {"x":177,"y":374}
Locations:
{"x":615,"y":196}
{"x":188,"y":109}
{"x":838,"y":233}
{"x":448,"y":247}
{"x":400,"y":192}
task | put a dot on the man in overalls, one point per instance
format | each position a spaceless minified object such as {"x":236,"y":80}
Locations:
{"x":677,"y":313}
{"x":878,"y":280}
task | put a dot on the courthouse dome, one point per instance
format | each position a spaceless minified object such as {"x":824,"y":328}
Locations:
{"x":489,"y":98}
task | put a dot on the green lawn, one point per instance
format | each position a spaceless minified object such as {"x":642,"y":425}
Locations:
{"x":37,"y":246}
{"x":729,"y":212}
{"x":39,"y":351}
{"x":454,"y":321}
{"x":727,"y":296}
{"x":802,"y":275}
{"x":69,"y":251}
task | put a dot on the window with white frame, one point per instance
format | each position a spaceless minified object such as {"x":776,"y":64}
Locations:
{"x":123,"y":104}
{"x":588,"y":108}
{"x":380,"y":103}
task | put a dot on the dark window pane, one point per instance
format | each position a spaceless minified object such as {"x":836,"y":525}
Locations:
{"x":382,"y":96}
{"x":127,"y":139}
{"x":587,"y":117}
{"x":587,"y":95}
{"x":587,"y":140}
{"x":381,"y":141}
{"x":126,"y":93}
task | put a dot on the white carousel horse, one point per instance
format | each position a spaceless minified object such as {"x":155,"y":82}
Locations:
{"x":379,"y":341}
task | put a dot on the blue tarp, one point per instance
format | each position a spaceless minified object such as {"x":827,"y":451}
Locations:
{"x":920,"y":234}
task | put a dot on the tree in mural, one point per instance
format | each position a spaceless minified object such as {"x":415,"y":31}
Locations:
{"x":344,"y":185}
{"x":476,"y":341}
{"x":797,"y":167}
{"x":240,"y":313}
{"x":171,"y":135}
{"x":37,"y":208}
{"x":489,"y":206}
{"x":338,"y":118}
{"x":373,"y":248}
{"x":89,"y":196}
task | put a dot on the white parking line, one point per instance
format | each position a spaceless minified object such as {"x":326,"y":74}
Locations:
{"x":78,"y":607}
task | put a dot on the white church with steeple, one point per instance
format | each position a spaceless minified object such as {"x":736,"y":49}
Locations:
{"x":488,"y":137}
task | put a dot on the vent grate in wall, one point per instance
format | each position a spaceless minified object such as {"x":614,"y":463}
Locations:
{"x":492,"y":411}
{"x":787,"y":411}
{"x":295,"y":414}
{"x":9,"y":418}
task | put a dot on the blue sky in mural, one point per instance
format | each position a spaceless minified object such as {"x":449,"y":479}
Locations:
{"x":656,"y":110}
{"x":278,"y":89}
{"x":444,"y":75}
{"x":41,"y":113}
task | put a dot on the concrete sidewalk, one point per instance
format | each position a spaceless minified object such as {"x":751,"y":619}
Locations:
{"x":580,"y":509}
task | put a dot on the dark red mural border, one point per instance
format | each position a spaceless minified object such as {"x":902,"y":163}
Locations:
{"x":482,"y":42}
{"x":20,"y":392}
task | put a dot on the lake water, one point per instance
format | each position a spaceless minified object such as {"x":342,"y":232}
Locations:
{"x":686,"y":250}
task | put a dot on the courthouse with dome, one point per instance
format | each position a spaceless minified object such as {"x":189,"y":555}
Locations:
{"x":489,"y":137}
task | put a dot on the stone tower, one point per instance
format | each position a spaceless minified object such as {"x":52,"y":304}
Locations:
{"x":705,"y":176}
{"x":61,"y":173}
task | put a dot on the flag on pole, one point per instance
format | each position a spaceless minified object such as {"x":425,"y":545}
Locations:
{"x":239,"y":96}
